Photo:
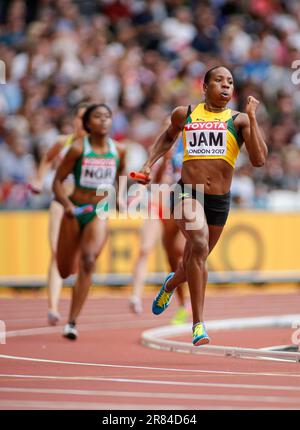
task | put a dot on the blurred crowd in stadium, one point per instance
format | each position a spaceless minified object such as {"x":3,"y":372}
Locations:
{"x":143,"y":58}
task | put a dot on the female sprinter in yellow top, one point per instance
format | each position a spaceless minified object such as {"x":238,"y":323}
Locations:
{"x":212,"y":137}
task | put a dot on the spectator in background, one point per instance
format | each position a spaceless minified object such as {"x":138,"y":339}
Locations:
{"x":243,"y":188}
{"x":17,"y":168}
{"x":207,"y":35}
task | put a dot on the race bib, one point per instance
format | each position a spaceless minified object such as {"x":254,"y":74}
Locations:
{"x":206,"y":138}
{"x":97,"y":171}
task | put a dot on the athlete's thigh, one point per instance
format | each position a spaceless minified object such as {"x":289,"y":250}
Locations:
{"x":179,"y":242}
{"x":170,"y":228}
{"x":68,"y":241}
{"x":94,"y":236}
{"x":56,"y":212}
{"x":151,"y":230}
{"x":172,"y":237}
{"x":198,"y":226}
{"x":192,"y":220}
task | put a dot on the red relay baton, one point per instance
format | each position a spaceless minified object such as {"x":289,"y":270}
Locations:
{"x":139,"y":177}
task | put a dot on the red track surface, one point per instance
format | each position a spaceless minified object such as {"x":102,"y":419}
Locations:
{"x":108,"y":368}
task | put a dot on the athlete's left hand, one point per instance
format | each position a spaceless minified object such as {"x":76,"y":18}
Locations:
{"x":252,"y":104}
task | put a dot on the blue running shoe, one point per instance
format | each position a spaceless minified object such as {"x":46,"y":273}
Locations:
{"x":162,"y":300}
{"x":200,"y":337}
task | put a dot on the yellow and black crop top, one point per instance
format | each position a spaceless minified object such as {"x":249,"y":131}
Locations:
{"x":210,"y":135}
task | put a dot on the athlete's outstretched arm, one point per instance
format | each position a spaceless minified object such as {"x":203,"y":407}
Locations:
{"x":166,"y":140}
{"x":255,"y":144}
{"x":64,"y":169}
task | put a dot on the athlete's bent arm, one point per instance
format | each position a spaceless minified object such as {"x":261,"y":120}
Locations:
{"x":46,"y":162}
{"x":166,"y":140}
{"x":64,"y":169}
{"x":255,"y":144}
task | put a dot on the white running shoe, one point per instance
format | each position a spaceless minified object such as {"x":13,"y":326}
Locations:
{"x":70,"y":331}
{"x":53,"y":317}
{"x":135,"y":305}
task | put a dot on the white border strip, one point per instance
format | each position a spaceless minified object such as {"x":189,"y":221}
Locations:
{"x":155,"y":338}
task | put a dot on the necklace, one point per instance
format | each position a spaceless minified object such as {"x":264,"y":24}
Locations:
{"x":216,"y":110}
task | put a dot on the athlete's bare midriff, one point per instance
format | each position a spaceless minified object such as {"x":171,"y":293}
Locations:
{"x":215,"y":175}
{"x":87,"y":197}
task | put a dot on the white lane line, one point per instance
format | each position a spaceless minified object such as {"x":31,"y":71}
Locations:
{"x":83,"y":327}
{"x":100,"y":316}
{"x":156,"y":382}
{"x":173,"y":396}
{"x":235,"y":323}
{"x":163,"y":369}
{"x":89,"y":322}
{"x":83,"y":319}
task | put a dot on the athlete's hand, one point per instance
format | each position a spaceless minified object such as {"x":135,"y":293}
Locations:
{"x":252,"y":104}
{"x":145,"y":170}
{"x":35,"y":186}
{"x":69,"y":209}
